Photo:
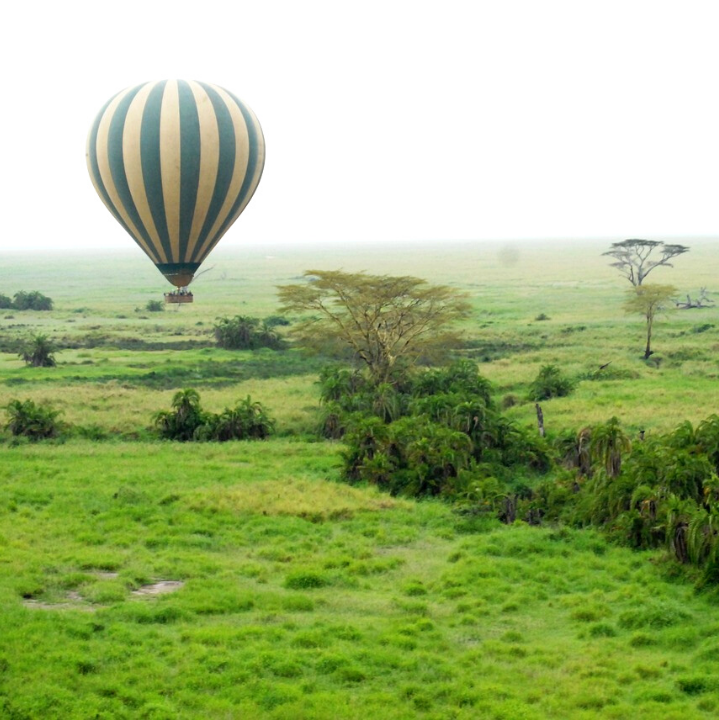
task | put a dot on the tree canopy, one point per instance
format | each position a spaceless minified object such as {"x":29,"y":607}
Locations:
{"x":647,"y":300}
{"x":387,"y":322}
{"x":635,"y":259}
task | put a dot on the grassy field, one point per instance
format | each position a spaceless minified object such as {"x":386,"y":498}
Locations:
{"x":303,"y":598}
{"x":295,"y":596}
{"x":100,"y":310}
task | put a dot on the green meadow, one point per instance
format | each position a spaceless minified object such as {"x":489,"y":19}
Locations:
{"x":142,"y":578}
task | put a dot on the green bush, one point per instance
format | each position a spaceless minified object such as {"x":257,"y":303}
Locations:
{"x":187,"y":421}
{"x":185,"y":418}
{"x":31,"y":301}
{"x":550,"y":383}
{"x":246,"y":421}
{"x":5,"y":302}
{"x":431,"y":433}
{"x":246,"y":333}
{"x":155,"y":306}
{"x":33,"y":421}
{"x":39,"y":351}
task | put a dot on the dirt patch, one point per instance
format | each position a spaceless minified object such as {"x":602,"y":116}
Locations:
{"x":159,"y":588}
{"x":74,"y":604}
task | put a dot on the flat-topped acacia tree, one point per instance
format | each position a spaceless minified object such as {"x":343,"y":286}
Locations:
{"x":635,"y":259}
{"x":388,"y":323}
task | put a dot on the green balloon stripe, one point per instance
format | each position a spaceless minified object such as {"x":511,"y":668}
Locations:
{"x":190,"y":153}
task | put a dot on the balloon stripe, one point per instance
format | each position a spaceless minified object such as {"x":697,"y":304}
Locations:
{"x":209,"y":162}
{"x":152,"y":167}
{"x":190,"y":159}
{"x":241,"y":168}
{"x":94,"y":168}
{"x":113,"y":154}
{"x":224,"y":170}
{"x":170,"y":164}
{"x":255,"y":166}
{"x":132,"y":159}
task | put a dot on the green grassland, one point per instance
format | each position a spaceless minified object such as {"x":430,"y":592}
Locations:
{"x":299,"y":596}
{"x":99,"y":313}
{"x":303,"y":598}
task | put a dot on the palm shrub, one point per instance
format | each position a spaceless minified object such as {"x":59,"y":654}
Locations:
{"x":366,"y":437}
{"x":332,"y":421}
{"x":462,"y":377}
{"x":39,"y":351}
{"x":185,"y":418}
{"x":423,"y":435}
{"x":435,"y":458}
{"x":187,"y":421}
{"x":679,"y":515}
{"x":703,"y":536}
{"x":572,"y":449}
{"x":607,"y":445}
{"x":683,"y":474}
{"x":550,"y":383}
{"x":268,"y":337}
{"x":31,"y":420}
{"x":247,"y":420}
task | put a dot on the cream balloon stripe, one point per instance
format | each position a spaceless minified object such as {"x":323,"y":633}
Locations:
{"x":176,"y":162}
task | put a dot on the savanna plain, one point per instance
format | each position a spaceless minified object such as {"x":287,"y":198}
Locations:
{"x":142,"y":578}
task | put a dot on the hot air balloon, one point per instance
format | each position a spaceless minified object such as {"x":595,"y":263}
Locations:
{"x":176,"y":162}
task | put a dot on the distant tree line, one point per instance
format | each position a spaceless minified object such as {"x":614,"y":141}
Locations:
{"x":25,"y":301}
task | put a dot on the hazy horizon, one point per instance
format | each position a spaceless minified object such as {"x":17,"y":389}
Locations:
{"x":391,"y":121}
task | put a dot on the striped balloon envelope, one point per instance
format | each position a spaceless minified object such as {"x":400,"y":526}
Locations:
{"x":176,"y":162}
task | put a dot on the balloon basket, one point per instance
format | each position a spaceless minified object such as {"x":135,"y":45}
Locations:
{"x":178,"y":297}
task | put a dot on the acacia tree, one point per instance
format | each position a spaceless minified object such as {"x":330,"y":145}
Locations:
{"x":387,"y":322}
{"x":635,"y":259}
{"x":648,"y":300}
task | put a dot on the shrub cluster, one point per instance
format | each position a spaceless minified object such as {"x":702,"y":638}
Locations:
{"x":39,"y":351}
{"x":31,"y":420}
{"x":432,"y":433}
{"x":187,"y":421}
{"x":662,"y":491}
{"x":550,"y":383}
{"x":26,"y":301}
{"x":247,"y":333}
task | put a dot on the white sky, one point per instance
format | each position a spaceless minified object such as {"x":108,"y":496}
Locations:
{"x":391,"y":120}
